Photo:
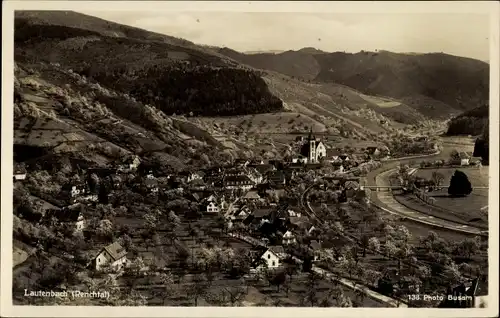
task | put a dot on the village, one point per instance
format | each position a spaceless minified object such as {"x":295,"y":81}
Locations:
{"x":137,"y":222}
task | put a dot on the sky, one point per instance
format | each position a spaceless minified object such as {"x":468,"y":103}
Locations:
{"x":453,"y":33}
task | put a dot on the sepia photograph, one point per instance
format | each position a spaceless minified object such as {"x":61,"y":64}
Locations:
{"x":248,"y":155}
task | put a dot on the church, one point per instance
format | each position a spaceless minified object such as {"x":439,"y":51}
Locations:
{"x":313,"y":149}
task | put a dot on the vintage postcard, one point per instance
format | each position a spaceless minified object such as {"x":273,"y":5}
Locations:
{"x":250,"y":159}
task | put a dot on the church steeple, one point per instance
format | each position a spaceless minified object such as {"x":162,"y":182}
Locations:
{"x":310,"y":137}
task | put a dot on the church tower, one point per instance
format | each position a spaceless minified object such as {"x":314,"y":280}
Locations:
{"x":312,"y":147}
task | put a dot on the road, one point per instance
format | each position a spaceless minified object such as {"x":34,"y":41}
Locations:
{"x":391,"y":205}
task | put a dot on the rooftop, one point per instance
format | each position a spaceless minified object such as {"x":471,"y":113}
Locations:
{"x":115,"y":250}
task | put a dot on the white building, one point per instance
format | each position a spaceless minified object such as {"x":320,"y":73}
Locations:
{"x":212,"y":208}
{"x":314,"y":149}
{"x":289,"y":238}
{"x":273,"y":257}
{"x":113,"y":255}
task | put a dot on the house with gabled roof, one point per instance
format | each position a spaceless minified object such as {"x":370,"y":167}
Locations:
{"x":212,"y":207}
{"x":238,"y":182}
{"x":130,"y":163}
{"x":289,"y":238}
{"x":464,"y":158}
{"x":251,"y":196}
{"x":113,"y":255}
{"x":19,"y":172}
{"x":273,"y":256}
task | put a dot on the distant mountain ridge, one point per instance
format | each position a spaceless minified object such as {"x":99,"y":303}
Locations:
{"x":437,"y":85}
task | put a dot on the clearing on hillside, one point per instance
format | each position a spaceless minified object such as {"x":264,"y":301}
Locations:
{"x":379,"y":101}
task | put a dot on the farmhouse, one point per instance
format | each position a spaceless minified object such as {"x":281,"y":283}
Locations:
{"x":237,"y":182}
{"x":195,"y":176}
{"x":289,"y":238}
{"x":273,"y":257}
{"x":464,"y":158}
{"x":251,"y":196}
{"x":130,"y":163}
{"x":212,"y":208}
{"x":113,"y":255}
{"x":276,"y":178}
{"x":254,"y":175}
{"x":262,"y":168}
{"x":333,"y":155}
{"x":19,"y":173}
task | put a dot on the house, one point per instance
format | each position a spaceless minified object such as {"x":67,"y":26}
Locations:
{"x":71,"y":215}
{"x":254,"y":175}
{"x":113,"y":255}
{"x":273,"y":257}
{"x":299,"y":139}
{"x":151,"y":184}
{"x":313,"y":149}
{"x":256,"y":162}
{"x":470,"y":294}
{"x":212,"y":208}
{"x":299,"y":223}
{"x":241,"y":214}
{"x":276,"y":178}
{"x":316,"y":248}
{"x":350,"y":188}
{"x":464,"y":158}
{"x":195,"y":176}
{"x":299,"y":159}
{"x":373,"y":152}
{"x":338,"y":166}
{"x":289,"y":238}
{"x":333,"y":155}
{"x":292,"y":213}
{"x":73,"y":191}
{"x":116,"y":181}
{"x":130,"y":164}
{"x":344,"y":157}
{"x":263,"y":169}
{"x":19,"y":173}
{"x":237,"y":182}
{"x":241,"y":162}
{"x":251,"y":196}
{"x":262,"y":214}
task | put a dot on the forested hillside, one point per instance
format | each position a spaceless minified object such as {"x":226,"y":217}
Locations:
{"x":176,"y":79}
{"x":472,"y":122}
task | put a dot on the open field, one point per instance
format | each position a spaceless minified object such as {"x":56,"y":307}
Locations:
{"x":468,"y":207}
{"x":379,"y":101}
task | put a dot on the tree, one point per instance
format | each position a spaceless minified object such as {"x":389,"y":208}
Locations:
{"x":467,"y":246}
{"x":437,"y":178}
{"x":277,"y":279}
{"x":374,"y":244}
{"x":167,"y":280}
{"x":452,"y":274}
{"x":105,"y":229}
{"x":312,"y":282}
{"x":198,"y":287}
{"x":454,"y":155}
{"x":459,"y":184}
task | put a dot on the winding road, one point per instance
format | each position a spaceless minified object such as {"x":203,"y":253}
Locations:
{"x":391,"y":205}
